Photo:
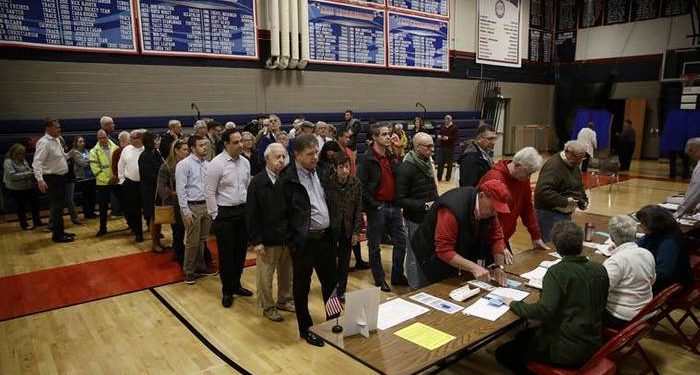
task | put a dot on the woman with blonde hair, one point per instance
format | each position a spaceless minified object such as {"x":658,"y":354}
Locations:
{"x":19,"y":180}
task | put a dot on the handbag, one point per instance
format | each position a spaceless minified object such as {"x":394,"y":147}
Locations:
{"x":164,"y":215}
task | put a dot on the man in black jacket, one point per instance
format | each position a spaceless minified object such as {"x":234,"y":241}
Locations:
{"x":355,"y":127}
{"x":166,"y":141}
{"x":308,"y":230}
{"x":376,"y":172}
{"x":267,"y":223}
{"x":476,"y":159}
{"x":416,"y":192}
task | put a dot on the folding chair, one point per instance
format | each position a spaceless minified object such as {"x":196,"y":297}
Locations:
{"x":686,"y":301}
{"x":603,"y":361}
{"x":608,"y":167}
{"x":652,"y":314}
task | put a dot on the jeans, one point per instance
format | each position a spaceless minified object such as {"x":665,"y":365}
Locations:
{"x":415,"y":276}
{"x":546,"y":219}
{"x":387,"y":219}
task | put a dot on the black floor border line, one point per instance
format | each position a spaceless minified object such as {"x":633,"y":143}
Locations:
{"x":199,"y":335}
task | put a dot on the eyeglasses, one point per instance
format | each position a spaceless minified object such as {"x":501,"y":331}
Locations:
{"x":428,"y":146}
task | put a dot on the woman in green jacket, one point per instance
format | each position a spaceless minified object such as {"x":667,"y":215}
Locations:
{"x":571,"y":306}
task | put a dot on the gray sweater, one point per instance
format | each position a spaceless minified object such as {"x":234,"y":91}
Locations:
{"x":18,"y":175}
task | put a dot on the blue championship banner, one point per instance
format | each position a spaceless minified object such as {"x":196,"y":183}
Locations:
{"x":206,"y":28}
{"x":418,"y":43}
{"x":82,"y":25}
{"x":431,"y":7}
{"x":346,"y":34}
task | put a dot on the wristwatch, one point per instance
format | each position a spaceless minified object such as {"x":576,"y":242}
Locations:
{"x":499,"y":266}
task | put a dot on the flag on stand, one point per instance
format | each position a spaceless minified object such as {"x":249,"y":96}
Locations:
{"x":333,"y":306}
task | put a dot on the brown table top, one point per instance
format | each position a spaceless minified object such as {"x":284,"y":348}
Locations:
{"x":387,"y":353}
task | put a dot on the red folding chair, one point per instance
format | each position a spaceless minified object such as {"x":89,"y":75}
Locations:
{"x":603,"y":361}
{"x":652,"y":313}
{"x":686,"y":301}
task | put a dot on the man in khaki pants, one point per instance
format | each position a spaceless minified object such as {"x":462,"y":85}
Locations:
{"x":190,"y":174}
{"x":267,"y":224}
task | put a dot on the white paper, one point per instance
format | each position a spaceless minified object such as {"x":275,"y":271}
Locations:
{"x":548,"y":263}
{"x":537,"y":273}
{"x":604,"y":249}
{"x":590,"y":245}
{"x":556,"y":255}
{"x":515,"y":294}
{"x":482,"y":309}
{"x":669,"y":206}
{"x":535,"y":283}
{"x":397,"y":311}
{"x":436,"y":303}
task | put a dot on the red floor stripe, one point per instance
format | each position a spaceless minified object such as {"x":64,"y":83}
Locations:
{"x":49,"y":289}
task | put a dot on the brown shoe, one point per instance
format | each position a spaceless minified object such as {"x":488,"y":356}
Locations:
{"x":273,"y":314}
{"x":287,"y":306}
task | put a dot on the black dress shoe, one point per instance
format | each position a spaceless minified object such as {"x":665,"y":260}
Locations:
{"x":241,"y":291}
{"x":227,"y":300}
{"x":139,"y":238}
{"x":63,"y":238}
{"x":383,"y":286}
{"x":313,"y":339}
{"x":69,"y":234}
{"x":400,"y":281}
{"x":101,"y":232}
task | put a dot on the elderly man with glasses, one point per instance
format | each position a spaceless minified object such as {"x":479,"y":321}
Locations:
{"x":559,"y":189}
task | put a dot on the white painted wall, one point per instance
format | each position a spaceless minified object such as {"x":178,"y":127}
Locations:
{"x":634,"y":38}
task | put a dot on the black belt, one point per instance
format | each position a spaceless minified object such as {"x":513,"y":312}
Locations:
{"x":196,"y":202}
{"x":314,"y":234}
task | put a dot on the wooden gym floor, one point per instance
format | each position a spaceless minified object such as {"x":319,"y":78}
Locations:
{"x":179,"y":329}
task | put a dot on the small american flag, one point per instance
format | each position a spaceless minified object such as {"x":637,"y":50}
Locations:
{"x":333,"y":306}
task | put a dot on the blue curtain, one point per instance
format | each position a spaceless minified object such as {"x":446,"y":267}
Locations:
{"x":601,"y":118}
{"x":680,"y":125}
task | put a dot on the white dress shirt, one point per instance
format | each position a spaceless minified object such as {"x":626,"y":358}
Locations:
{"x":128,"y":165}
{"x":632,"y":272}
{"x":320,"y":217}
{"x":588,"y":137}
{"x":226,"y":183}
{"x":190,"y":175}
{"x":49,"y":158}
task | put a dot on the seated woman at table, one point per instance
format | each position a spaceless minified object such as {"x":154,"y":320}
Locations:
{"x":664,"y":238}
{"x":631,"y":273}
{"x":571,"y":305}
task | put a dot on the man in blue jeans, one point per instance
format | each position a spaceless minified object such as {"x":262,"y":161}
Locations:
{"x":559,"y":189}
{"x":376,"y":172}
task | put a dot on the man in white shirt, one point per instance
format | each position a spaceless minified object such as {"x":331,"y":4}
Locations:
{"x":587,"y":136}
{"x":226,"y":191}
{"x":692,"y":195}
{"x":631,"y":271}
{"x":130,"y":180}
{"x":51,"y":172}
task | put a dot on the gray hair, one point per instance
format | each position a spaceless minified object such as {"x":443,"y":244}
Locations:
{"x":274,"y":117}
{"x":124,"y":135}
{"x":200,"y":124}
{"x":575,"y":146}
{"x":102,"y":131}
{"x":247,"y":134}
{"x":529,"y":159}
{"x":104,"y":120}
{"x":321,"y":123}
{"x":271,"y":147}
{"x":138,"y":132}
{"x":692,"y":144}
{"x":622,"y":229}
{"x":174,"y":123}
{"x":448,"y":117}
{"x":230,"y":125}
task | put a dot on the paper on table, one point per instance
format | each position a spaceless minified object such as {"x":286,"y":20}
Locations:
{"x":515,"y":294}
{"x":397,"y":311}
{"x":482,"y":309}
{"x":425,"y":336}
{"x":591,"y":245}
{"x":556,"y":255}
{"x":549,"y":263}
{"x":669,"y":206}
{"x":436,"y":303}
{"x":537,"y":273}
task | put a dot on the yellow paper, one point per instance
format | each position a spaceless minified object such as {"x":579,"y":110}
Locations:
{"x":425,"y":336}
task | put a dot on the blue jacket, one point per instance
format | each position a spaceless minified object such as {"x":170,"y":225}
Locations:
{"x":672,"y":260}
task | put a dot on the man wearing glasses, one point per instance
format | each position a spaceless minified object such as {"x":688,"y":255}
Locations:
{"x":416,"y":191}
{"x":559,"y":187}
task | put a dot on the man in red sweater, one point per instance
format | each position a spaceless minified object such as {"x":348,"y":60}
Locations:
{"x":515,"y":175}
{"x":461,"y":232}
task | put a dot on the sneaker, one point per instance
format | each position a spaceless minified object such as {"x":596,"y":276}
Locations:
{"x":287,"y":306}
{"x":207,"y":272}
{"x":273,"y":314}
{"x":190,"y":279}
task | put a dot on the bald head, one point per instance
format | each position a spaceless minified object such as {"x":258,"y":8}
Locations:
{"x":421,"y":137}
{"x":423,"y":145}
